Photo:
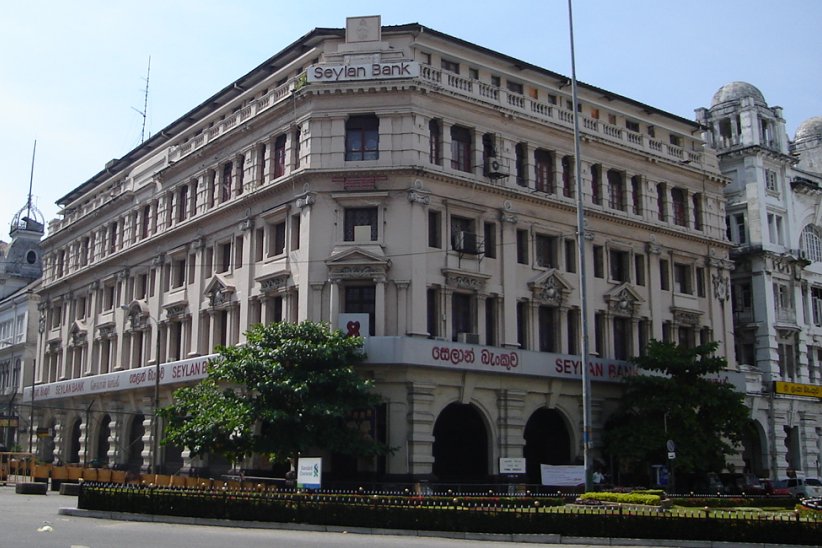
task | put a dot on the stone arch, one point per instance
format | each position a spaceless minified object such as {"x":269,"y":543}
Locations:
{"x":548,"y":440}
{"x":102,"y":444}
{"x":73,"y":433}
{"x":755,"y":449}
{"x":461,"y":444}
{"x":134,"y":442}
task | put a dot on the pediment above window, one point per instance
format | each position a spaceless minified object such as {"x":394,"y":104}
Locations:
{"x":219,"y":291}
{"x":78,"y":333}
{"x":623,"y":300}
{"x":357,"y":263}
{"x":686,"y":317}
{"x":550,"y":287}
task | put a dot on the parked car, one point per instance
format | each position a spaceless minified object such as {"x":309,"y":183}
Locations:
{"x":739,"y":484}
{"x":776,"y":488}
{"x":804,"y":487}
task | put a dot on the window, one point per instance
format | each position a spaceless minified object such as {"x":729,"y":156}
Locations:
{"x":295,"y":232}
{"x":224,"y":256}
{"x":696,"y":199}
{"x":573,"y":331}
{"x":546,"y":250}
{"x":495,"y":81}
{"x":522,"y":246}
{"x":462,"y":315}
{"x":775,"y":228}
{"x":276,"y":239}
{"x":620,"y":265}
{"x":433,"y":314}
{"x":700,"y":281}
{"x":675,"y":140}
{"x":623,"y":336}
{"x":362,"y":299}
{"x":548,"y":329}
{"x":567,"y":177}
{"x":811,"y":243}
{"x":522,"y":324}
{"x":599,"y":334}
{"x":259,"y":244}
{"x":631,"y":125}
{"x":544,"y":163}
{"x":435,"y":229}
{"x":639,"y":269}
{"x":521,"y":164}
{"x":570,"y":256}
{"x":279,"y":156}
{"x":636,"y":194}
{"x":112,"y":237}
{"x":489,"y":150}
{"x":240,"y":174}
{"x":435,"y":142}
{"x":460,"y":148}
{"x":739,"y":232}
{"x":596,"y":185}
{"x":463,"y":235}
{"x":178,"y":272}
{"x":616,"y":190}
{"x":490,"y":240}
{"x":182,"y":203}
{"x":770,"y":180}
{"x":661,"y":202}
{"x":360,"y":224}
{"x":491,"y":321}
{"x":362,"y":138}
{"x":146,"y":220}
{"x":297,"y":146}
{"x":514,"y":87}
{"x":599,"y":262}
{"x":664,"y":282}
{"x":683,"y":279}
{"x":679,"y":207}
{"x":473,"y":73}
{"x":225,"y":186}
{"x":450,"y":66}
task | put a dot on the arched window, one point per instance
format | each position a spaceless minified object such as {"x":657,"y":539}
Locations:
{"x":811,"y":243}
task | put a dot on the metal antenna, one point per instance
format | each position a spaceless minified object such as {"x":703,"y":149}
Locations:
{"x":31,"y":180}
{"x":145,"y":103}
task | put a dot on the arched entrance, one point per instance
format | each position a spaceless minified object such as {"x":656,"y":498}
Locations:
{"x":460,"y":445}
{"x":103,"y":435}
{"x":135,"y":443}
{"x":754,"y":450}
{"x":73,"y":454}
{"x":547,"y":441}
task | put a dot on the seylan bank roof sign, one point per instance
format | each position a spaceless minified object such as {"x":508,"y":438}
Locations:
{"x":367,"y":71}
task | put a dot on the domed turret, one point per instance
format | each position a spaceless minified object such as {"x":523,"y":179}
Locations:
{"x":810,"y":129}
{"x":736,"y":91}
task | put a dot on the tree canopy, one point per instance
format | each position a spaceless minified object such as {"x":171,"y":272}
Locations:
{"x":290,"y":388}
{"x":705,"y":418}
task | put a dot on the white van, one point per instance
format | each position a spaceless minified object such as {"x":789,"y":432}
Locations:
{"x":805,"y":487}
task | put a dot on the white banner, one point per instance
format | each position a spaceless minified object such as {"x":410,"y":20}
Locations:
{"x":562,"y":475}
{"x":309,"y":472}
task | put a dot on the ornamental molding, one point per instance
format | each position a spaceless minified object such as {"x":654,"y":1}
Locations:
{"x":461,"y":279}
{"x":274,"y":283}
{"x":358,"y":263}
{"x":722,"y":286}
{"x":686,"y":317}
{"x":623,"y":300}
{"x":219,"y":292}
{"x":415,"y":196}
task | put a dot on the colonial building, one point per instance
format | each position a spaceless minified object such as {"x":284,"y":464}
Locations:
{"x":410,"y":181}
{"x":773,"y":218}
{"x":20,"y":271}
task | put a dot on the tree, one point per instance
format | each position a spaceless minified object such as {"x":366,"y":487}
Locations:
{"x":290,"y":388}
{"x":677,"y":401}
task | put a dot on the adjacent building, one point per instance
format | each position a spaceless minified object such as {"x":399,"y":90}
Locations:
{"x":408,"y":185}
{"x":20,"y":271}
{"x":773,"y":203}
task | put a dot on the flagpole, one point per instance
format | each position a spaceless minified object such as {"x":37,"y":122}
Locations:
{"x":583,"y":290}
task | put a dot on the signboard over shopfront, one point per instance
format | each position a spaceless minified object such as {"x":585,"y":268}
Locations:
{"x":797,"y":389}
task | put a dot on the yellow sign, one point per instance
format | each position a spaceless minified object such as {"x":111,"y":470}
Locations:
{"x":8,"y":422}
{"x":796,"y":389}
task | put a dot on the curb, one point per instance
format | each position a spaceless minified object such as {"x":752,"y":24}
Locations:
{"x":494,"y":537}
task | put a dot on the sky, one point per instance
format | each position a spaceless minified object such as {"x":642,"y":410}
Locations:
{"x":73,"y":74}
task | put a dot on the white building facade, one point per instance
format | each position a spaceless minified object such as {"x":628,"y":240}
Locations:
{"x":773,"y":218}
{"x":413,"y":182}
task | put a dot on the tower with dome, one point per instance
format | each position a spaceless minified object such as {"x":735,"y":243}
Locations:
{"x":773,"y":216}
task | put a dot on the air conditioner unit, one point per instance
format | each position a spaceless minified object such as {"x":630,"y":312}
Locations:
{"x":467,"y":242}
{"x":468,"y":338}
{"x":494,"y":168}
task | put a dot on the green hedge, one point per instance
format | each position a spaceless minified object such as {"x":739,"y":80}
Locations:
{"x":623,"y":498}
{"x":524,"y":515}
